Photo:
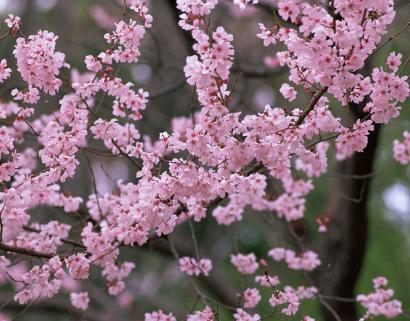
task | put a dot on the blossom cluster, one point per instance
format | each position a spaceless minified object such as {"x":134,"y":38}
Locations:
{"x":401,"y":150}
{"x":380,"y":301}
{"x":38,"y":62}
{"x":191,"y":266}
{"x":307,"y":261}
{"x":246,"y":264}
{"x":292,"y":298}
{"x":215,"y":163}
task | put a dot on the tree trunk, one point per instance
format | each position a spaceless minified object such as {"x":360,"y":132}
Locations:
{"x":344,"y":247}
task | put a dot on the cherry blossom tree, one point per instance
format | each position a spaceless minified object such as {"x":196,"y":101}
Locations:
{"x":212,"y":164}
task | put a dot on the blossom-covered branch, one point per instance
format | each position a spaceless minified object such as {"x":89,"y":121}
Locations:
{"x":212,"y":163}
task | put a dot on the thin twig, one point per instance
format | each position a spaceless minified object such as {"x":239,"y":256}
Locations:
{"x":312,"y":105}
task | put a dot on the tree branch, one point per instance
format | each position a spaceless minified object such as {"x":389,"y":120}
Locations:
{"x":20,"y":250}
{"x":312,"y":105}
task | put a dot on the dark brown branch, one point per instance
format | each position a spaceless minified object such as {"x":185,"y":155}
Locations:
{"x":66,"y":241}
{"x":126,"y":155}
{"x":273,"y":11}
{"x":215,"y":283}
{"x":169,"y":90}
{"x":392,"y":37}
{"x":312,"y":105}
{"x":52,"y":306}
{"x":20,"y":250}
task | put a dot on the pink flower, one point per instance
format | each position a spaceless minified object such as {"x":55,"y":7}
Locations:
{"x":246,"y":264}
{"x":93,"y":63}
{"x":13,"y":22}
{"x":159,"y":316}
{"x":307,"y":261}
{"x":56,"y":266}
{"x":206,"y":314}
{"x":251,"y":298}
{"x":288,"y":297}
{"x":191,"y":266}
{"x":242,"y":3}
{"x":242,"y":315}
{"x":80,"y":300}
{"x":401,"y":150}
{"x":394,"y":61}
{"x":271,"y":62}
{"x":289,"y":9}
{"x":116,"y":288}
{"x":127,"y":36}
{"x":4,"y":71}
{"x":379,"y":282}
{"x":215,"y":158}
{"x":380,"y":302}
{"x":268,"y":36}
{"x":29,"y":96}
{"x":349,"y":142}
{"x":288,"y":92}
{"x":267,"y":281}
{"x":78,"y":266}
{"x":38,"y":62}
{"x":278,"y":254}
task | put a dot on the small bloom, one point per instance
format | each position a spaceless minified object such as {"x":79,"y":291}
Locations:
{"x":251,"y":298}
{"x":246,"y":264}
{"x":80,"y":300}
{"x":288,"y":92}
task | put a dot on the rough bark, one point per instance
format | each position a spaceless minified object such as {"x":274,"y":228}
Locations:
{"x":344,"y":248}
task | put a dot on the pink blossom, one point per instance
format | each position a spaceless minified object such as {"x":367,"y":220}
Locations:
{"x":4,"y":71}
{"x":29,"y":96}
{"x":78,"y":266}
{"x":401,"y":150}
{"x":307,"y":261}
{"x":288,"y":92}
{"x":13,"y":22}
{"x":191,"y":266}
{"x":394,"y":61}
{"x":80,"y":300}
{"x":350,"y":141}
{"x":128,"y":37}
{"x":159,"y":316}
{"x":289,"y":9}
{"x":251,"y":298}
{"x":246,"y":264}
{"x":217,"y":160}
{"x":268,"y":36}
{"x":271,"y":62}
{"x":242,"y":315}
{"x":40,"y":282}
{"x":38,"y":62}
{"x":380,"y":301}
{"x":93,"y":63}
{"x":206,"y":314}
{"x":288,"y":297}
{"x":267,"y":280}
{"x":116,"y":287}
{"x":243,"y":3}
